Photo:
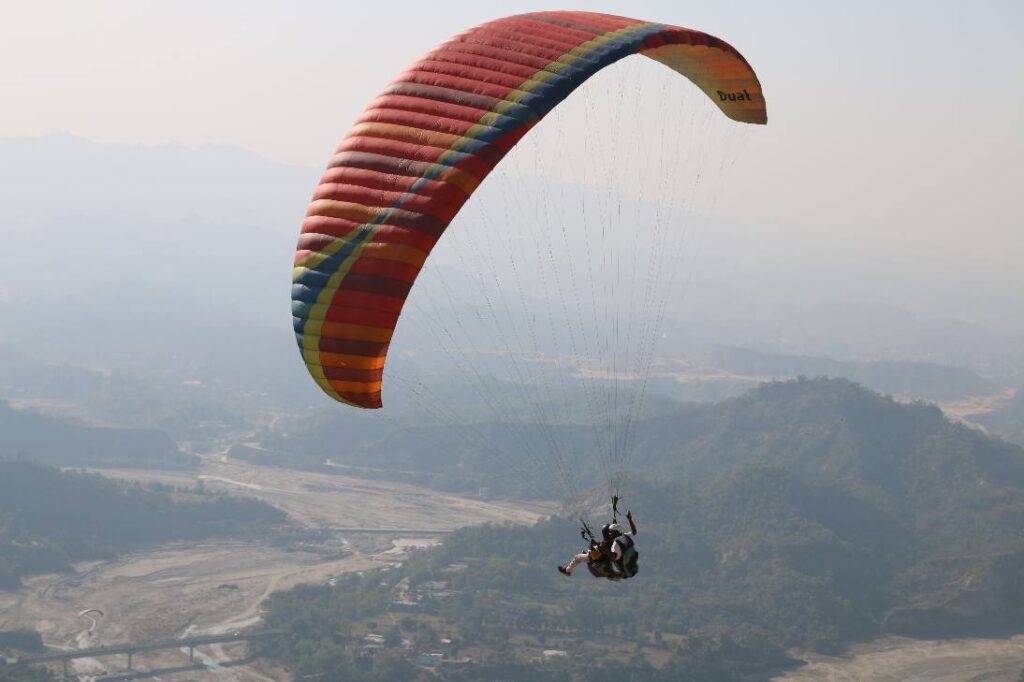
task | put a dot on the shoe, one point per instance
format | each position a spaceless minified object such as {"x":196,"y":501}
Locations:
{"x":563,"y":571}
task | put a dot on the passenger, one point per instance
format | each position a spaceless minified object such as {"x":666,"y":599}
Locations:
{"x":615,"y":557}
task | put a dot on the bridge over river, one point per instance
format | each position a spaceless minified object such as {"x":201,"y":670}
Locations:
{"x":133,"y":648}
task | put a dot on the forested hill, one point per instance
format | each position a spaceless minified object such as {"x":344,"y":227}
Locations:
{"x":828,"y":426}
{"x":806,"y":514}
{"x":49,"y":518}
{"x":63,"y":442}
{"x":906,"y":459}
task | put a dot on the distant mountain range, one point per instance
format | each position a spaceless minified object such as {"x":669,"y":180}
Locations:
{"x":921,"y":380}
{"x":61,"y":177}
{"x":182,"y":234}
{"x":166,"y":309}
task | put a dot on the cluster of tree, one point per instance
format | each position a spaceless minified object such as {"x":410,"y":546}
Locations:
{"x":25,"y":674}
{"x":50,"y":518}
{"x":17,"y":642}
{"x":63,"y":442}
{"x":804,"y":514}
{"x":22,"y":640}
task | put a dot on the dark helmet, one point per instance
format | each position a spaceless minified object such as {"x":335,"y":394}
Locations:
{"x":608,"y":533}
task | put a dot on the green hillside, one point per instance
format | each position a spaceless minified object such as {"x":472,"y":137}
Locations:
{"x":805,"y":514}
{"x":63,"y":442}
{"x":50,"y":518}
{"x":829,"y":425}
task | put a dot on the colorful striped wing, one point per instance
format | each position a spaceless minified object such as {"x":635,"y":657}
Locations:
{"x":400,"y":176}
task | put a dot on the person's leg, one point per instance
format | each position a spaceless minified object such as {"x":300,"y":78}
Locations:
{"x":576,"y":561}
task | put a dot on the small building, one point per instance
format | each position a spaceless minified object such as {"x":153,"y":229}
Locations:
{"x":430,"y":660}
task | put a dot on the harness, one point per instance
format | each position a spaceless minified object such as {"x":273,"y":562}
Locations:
{"x":604,"y":566}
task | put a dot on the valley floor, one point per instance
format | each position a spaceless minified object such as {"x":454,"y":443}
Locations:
{"x":217,"y":586}
{"x":894,"y":659}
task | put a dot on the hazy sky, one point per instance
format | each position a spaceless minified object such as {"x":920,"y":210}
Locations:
{"x":894,"y":138}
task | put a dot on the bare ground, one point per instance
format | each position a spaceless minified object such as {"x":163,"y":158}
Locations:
{"x":218,"y":586}
{"x":970,"y":406}
{"x":896,"y":659}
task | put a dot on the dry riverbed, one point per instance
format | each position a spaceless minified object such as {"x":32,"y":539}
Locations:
{"x":218,"y":586}
{"x":898,"y":659}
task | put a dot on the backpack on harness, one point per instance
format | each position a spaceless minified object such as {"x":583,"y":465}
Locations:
{"x":629,"y":565}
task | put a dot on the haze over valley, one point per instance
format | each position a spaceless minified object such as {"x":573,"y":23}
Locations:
{"x":795,"y":351}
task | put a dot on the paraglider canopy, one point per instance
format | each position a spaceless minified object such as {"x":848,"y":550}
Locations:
{"x":421,"y":149}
